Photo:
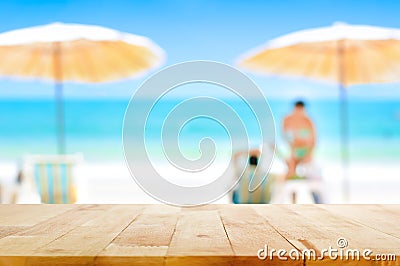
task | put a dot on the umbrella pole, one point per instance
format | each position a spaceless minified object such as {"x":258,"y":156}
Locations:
{"x":59,"y":98}
{"x":345,"y":142}
{"x":344,"y":121}
{"x":60,"y":118}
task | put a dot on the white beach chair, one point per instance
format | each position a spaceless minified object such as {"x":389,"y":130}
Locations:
{"x":309,"y":189}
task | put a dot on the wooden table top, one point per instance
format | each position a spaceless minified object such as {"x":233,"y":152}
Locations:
{"x":207,"y":235}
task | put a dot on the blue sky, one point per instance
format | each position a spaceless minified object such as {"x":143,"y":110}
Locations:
{"x":201,"y":29}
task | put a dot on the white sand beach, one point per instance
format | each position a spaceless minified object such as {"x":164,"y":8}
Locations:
{"x":111,"y":182}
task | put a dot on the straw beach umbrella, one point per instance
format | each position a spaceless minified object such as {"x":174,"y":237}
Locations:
{"x":343,"y":54}
{"x":75,"y":53}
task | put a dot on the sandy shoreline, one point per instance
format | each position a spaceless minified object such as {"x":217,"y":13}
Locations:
{"x":110,"y":182}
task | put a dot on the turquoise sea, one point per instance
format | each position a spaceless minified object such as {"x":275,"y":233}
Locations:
{"x":94,"y":127}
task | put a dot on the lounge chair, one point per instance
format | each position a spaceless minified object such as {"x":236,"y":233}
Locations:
{"x":254,"y":187}
{"x":51,"y":176}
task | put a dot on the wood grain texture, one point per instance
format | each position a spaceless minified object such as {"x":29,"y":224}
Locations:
{"x":359,"y":236}
{"x":26,"y":215}
{"x":248,"y":232}
{"x":206,"y":235}
{"x":373,"y":216}
{"x":201,"y":233}
{"x":145,"y":241}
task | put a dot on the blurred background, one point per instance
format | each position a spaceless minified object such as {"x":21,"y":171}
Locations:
{"x":198,"y":30}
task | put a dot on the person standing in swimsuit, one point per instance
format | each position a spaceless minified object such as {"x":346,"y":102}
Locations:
{"x":299,"y":132}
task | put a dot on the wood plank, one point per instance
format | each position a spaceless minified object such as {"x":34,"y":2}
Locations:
{"x":110,"y":223}
{"x":132,"y":255}
{"x":207,"y":235}
{"x":29,"y":215}
{"x":372,"y":216}
{"x":358,"y":236}
{"x":59,"y":260}
{"x":394,"y":209}
{"x":199,"y":238}
{"x":153,"y":228}
{"x":145,"y":241}
{"x":308,"y":227}
{"x":292,"y":226}
{"x":248,"y":232}
{"x":24,"y":243}
{"x":10,"y":230}
{"x":13,"y":260}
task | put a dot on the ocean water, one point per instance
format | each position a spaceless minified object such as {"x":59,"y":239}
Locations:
{"x":94,"y":127}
